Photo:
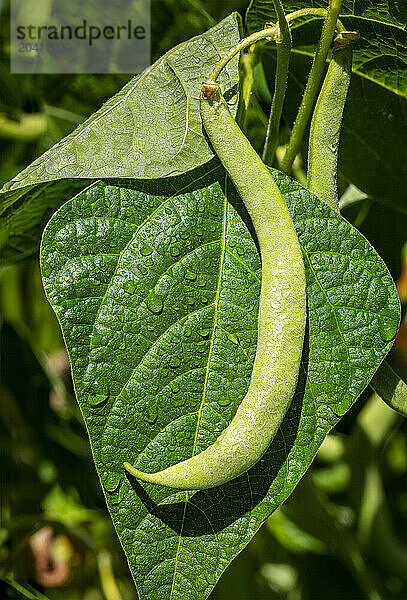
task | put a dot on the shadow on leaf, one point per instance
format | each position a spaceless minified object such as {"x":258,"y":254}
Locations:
{"x":209,"y":511}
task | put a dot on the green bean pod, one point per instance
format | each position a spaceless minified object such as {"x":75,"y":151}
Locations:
{"x":326,"y":126}
{"x":281,"y":321}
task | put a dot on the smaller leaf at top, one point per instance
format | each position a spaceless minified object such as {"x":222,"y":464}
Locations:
{"x":152,"y":127}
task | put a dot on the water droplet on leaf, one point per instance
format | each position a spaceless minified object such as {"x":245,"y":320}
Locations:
{"x":142,"y":269}
{"x":152,"y":413}
{"x":224,"y":400}
{"x":233,"y":338}
{"x":146,"y":250}
{"x":97,"y":400}
{"x":175,"y":251}
{"x":388,"y":325}
{"x":154,"y":303}
{"x":112,"y":482}
{"x":190,"y":275}
{"x":174,"y":362}
{"x":129,"y":287}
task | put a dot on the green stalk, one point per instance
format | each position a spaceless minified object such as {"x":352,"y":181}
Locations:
{"x":313,"y":85}
{"x":313,"y":12}
{"x":284,"y":43}
{"x":269,"y":33}
{"x":391,"y":389}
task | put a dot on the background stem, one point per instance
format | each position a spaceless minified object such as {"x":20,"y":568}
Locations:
{"x":313,"y":85}
{"x":393,"y":390}
{"x":283,"y":60}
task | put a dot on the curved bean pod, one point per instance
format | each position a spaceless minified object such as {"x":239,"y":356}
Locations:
{"x":282,"y":314}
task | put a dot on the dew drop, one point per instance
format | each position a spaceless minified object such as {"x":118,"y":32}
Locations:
{"x":129,"y":287}
{"x":388,"y":326}
{"x":171,"y":447}
{"x":175,"y":251}
{"x":152,"y":413}
{"x":174,"y":387}
{"x":174,"y":362}
{"x":161,"y":249}
{"x":190,"y":275}
{"x":154,"y":303}
{"x":97,"y":400}
{"x":233,"y":338}
{"x":146,"y":250}
{"x":142,"y":269}
{"x":112,"y":482}
{"x":207,"y":262}
{"x":204,"y":332}
{"x":224,"y":400}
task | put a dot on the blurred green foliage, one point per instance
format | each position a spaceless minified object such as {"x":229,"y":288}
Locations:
{"x":342,"y":534}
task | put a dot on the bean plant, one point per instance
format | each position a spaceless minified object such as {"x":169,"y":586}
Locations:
{"x":221,"y":316}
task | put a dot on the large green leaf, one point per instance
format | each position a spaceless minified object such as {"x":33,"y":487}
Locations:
{"x":381,"y":53}
{"x":157,"y":297}
{"x":150,"y":129}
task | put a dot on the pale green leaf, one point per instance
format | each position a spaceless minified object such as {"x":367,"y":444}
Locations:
{"x":150,"y":129}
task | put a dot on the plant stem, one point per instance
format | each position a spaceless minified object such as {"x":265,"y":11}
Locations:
{"x":247,"y":65}
{"x":270,"y":33}
{"x":391,"y":389}
{"x":313,"y":12}
{"x":284,"y":43}
{"x":313,"y":85}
